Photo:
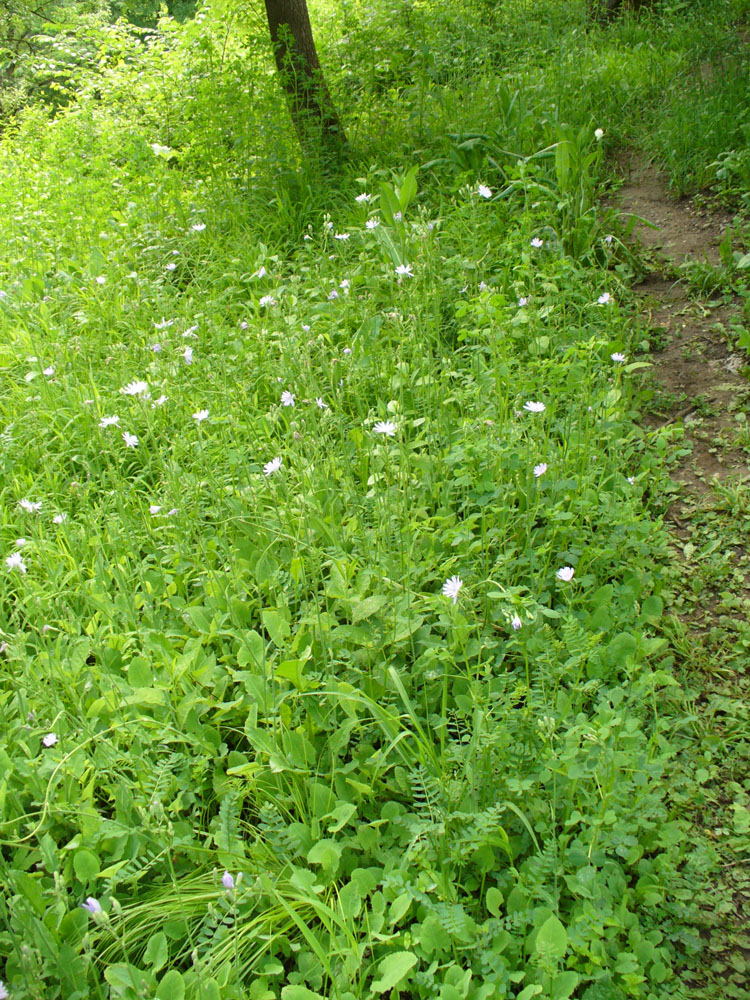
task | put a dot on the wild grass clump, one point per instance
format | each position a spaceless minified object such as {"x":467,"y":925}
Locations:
{"x":331,"y":663}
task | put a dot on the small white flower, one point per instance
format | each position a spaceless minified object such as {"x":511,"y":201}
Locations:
{"x":385,"y":427}
{"x":341,"y":236}
{"x":566,"y":574}
{"x":244,"y":324}
{"x":137,"y":388}
{"x":159,"y":402}
{"x":200,"y":416}
{"x":273,"y":466}
{"x":328,"y":224}
{"x":50,"y":739}
{"x":604,"y":299}
{"x":372,"y":223}
{"x":198,"y":227}
{"x":20,"y":542}
{"x":452,"y":586}
{"x":523,"y":301}
{"x":267,"y":300}
{"x":320,"y":403}
{"x":3,"y":992}
{"x":540,"y":469}
{"x":261,"y":272}
{"x":344,"y":284}
{"x":287,"y":398}
{"x":397,"y":217}
{"x":305,"y":327}
{"x":516,"y":623}
{"x":227,"y":881}
{"x":608,"y":239}
{"x":171,"y":266}
{"x":109,"y":421}
{"x":163,"y":324}
{"x":347,"y":350}
{"x":130,"y":440}
{"x":49,"y":371}
{"x":599,"y":134}
{"x":29,"y":376}
{"x":172,"y":512}
{"x":15,"y":561}
{"x":404,"y":270}
{"x":59,"y":518}
{"x":536,"y":243}
{"x":101,"y":280}
{"x":618,"y":358}
{"x":631,"y":480}
{"x":534,"y":407}
{"x":154,"y":508}
{"x":484,"y":192}
{"x":188,"y":355}
{"x":483,"y":286}
{"x":364,"y":197}
{"x":30,"y":506}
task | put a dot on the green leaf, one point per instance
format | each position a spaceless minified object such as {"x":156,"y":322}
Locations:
{"x":494,"y":900}
{"x":157,"y":952}
{"x":551,"y":941}
{"x":297,"y":992}
{"x":171,"y":987}
{"x":326,"y":853}
{"x":393,"y":969}
{"x":276,"y":626}
{"x":563,"y":985}
{"x":139,"y":672}
{"x":86,"y":865}
{"x":368,"y":607}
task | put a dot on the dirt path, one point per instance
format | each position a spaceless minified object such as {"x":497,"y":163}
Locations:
{"x":700,"y":386}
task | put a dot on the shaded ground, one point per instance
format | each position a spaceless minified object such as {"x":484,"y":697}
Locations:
{"x":701,"y":389}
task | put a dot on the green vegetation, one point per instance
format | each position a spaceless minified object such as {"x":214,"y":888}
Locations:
{"x":339,"y":622}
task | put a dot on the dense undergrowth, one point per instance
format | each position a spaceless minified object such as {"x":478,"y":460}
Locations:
{"x":333,"y":562}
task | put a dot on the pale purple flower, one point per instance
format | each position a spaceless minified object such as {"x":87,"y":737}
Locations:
{"x":483,"y":191}
{"x":536,"y":243}
{"x":397,"y":217}
{"x":156,"y":348}
{"x":347,"y":350}
{"x":451,"y":587}
{"x":227,"y":881}
{"x":372,"y":223}
{"x":540,"y":469}
{"x":483,"y":286}
{"x":50,"y":739}
{"x":604,"y":299}
{"x":608,"y":239}
{"x":200,"y":416}
{"x":30,"y":506}
{"x":92,"y":905}
{"x":266,"y":300}
{"x":154,"y":508}
{"x":618,"y":358}
{"x":15,"y":561}
{"x":188,"y":355}
{"x":109,"y":421}
{"x":261,"y":272}
{"x":305,"y":327}
{"x":244,"y":324}
{"x":533,"y":406}
{"x":130,"y":440}
{"x":20,"y":542}
{"x":516,"y":623}
{"x":287,"y":398}
{"x":523,"y":301}
{"x":345,"y":284}
{"x":333,"y":294}
{"x":171,"y":266}
{"x":404,"y":271}
{"x":172,"y":512}
{"x":137,"y":388}
{"x":273,"y":466}
{"x":386,"y":427}
{"x":566,"y":574}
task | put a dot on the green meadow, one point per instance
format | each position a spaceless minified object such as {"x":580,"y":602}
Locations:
{"x":339,"y":652}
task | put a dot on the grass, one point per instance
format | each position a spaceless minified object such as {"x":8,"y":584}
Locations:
{"x":252,"y":425}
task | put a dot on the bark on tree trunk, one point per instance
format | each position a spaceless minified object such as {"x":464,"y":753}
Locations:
{"x":312,"y":110}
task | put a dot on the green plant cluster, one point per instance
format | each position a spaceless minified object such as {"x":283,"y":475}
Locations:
{"x":331,"y":597}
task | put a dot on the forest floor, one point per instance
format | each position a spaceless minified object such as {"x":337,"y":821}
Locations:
{"x":691,"y":319}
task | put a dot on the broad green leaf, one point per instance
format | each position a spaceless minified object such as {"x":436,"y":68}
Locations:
{"x":368,"y":607}
{"x":326,"y":853}
{"x":276,"y":626}
{"x":86,"y":865}
{"x":551,"y":941}
{"x":171,"y":987}
{"x":157,"y":952}
{"x":393,"y":969}
{"x":298,"y":992}
{"x":563,"y":985}
{"x":494,"y":900}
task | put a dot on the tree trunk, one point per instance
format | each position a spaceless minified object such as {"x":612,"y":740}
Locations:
{"x":313,"y":114}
